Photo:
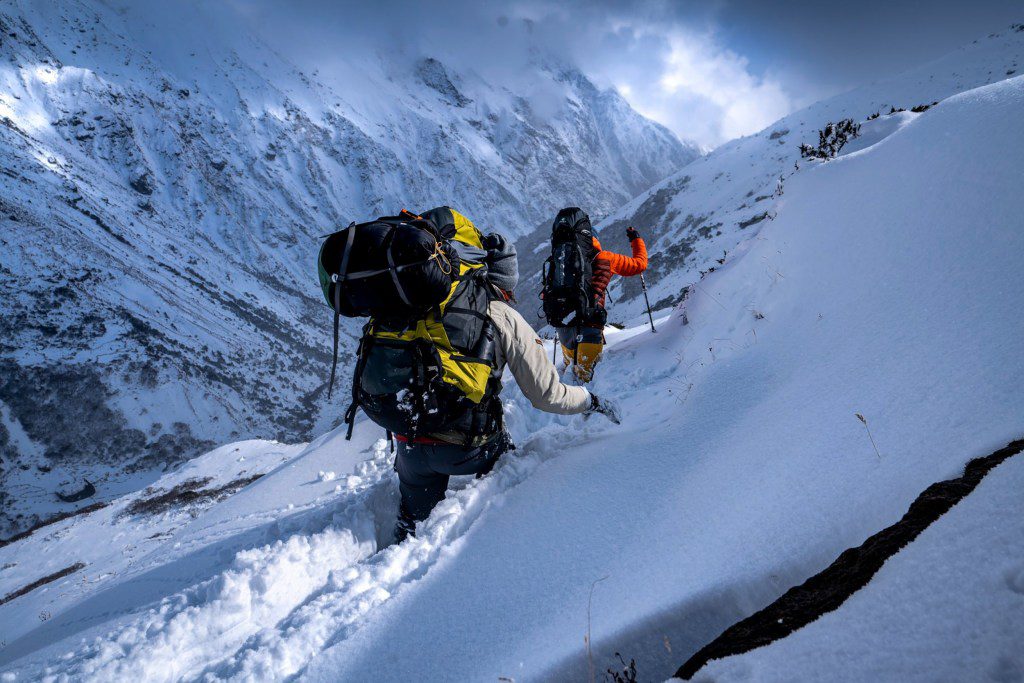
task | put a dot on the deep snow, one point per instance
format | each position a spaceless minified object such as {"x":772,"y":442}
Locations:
{"x":888,"y":285}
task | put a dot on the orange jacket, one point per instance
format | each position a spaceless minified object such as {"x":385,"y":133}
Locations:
{"x":608,"y":263}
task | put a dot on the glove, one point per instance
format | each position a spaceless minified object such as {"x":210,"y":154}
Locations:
{"x":631,"y":233}
{"x":609,"y":409}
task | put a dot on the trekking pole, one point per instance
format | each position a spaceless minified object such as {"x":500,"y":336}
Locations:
{"x":650,"y":316}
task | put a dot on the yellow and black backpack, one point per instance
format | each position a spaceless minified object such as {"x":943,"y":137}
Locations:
{"x":426,"y":361}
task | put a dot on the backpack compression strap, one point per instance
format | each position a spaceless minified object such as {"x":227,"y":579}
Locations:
{"x":338,"y":279}
{"x":394,"y":271}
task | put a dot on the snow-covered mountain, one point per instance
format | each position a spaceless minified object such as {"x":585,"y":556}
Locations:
{"x":160,"y":203}
{"x":860,"y":346}
{"x":692,"y":220}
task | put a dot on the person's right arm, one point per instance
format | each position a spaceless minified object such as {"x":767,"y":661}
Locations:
{"x":624,"y":265}
{"x":530,"y":366}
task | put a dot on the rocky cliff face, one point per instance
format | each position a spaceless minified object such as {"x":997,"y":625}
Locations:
{"x":160,"y":204}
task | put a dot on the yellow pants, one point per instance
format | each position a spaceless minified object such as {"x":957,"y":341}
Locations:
{"x":586,"y":355}
{"x":582,"y":345}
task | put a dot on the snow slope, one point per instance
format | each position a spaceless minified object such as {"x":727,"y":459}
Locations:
{"x":954,"y":598}
{"x":693,"y":219}
{"x":740,"y":468}
{"x":160,"y":207}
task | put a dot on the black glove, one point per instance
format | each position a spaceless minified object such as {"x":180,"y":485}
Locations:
{"x":609,"y":409}
{"x":632,"y":234}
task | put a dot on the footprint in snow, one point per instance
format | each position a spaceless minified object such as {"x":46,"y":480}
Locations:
{"x":1015,"y":580}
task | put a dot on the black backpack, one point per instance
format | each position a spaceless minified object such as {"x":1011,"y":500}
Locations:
{"x":567,"y":277}
{"x":426,"y":361}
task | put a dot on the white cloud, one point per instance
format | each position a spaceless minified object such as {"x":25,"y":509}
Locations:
{"x":690,"y":83}
{"x":696,"y":66}
{"x":669,"y":65}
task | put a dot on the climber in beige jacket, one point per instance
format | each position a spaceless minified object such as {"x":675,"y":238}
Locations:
{"x":425,"y":463}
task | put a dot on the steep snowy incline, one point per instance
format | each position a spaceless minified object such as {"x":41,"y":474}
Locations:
{"x":741,"y":468}
{"x":692,"y":219}
{"x":160,"y":206}
{"x":888,"y":285}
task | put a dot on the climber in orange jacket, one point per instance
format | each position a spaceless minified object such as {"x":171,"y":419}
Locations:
{"x":585,"y":347}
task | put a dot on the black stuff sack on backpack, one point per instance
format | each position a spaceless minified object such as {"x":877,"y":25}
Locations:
{"x":393,"y":268}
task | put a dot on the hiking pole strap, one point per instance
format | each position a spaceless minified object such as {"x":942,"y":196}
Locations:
{"x":350,"y":420}
{"x":362,"y":352}
{"x":334,"y":354}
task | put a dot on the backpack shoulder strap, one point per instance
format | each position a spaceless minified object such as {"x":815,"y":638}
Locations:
{"x":361,"y":354}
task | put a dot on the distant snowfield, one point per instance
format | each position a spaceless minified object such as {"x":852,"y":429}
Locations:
{"x":889,"y":284}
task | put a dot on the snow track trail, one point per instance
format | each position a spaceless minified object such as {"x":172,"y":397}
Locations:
{"x":350,"y":594}
{"x":279,"y":603}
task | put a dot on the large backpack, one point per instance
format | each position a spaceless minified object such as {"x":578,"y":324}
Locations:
{"x":567,"y":292}
{"x":426,"y":360}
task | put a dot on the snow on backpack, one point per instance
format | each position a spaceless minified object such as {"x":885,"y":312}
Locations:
{"x":567,"y":277}
{"x":426,"y":361}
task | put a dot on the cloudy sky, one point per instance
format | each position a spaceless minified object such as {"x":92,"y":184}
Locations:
{"x":710,"y":70}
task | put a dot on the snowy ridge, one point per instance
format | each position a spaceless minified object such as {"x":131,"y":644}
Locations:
{"x":740,"y":468}
{"x":161,"y":206}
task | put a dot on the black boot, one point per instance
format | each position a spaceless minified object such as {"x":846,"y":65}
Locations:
{"x":405,"y":526}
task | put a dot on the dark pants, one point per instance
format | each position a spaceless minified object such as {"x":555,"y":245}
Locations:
{"x":589,"y":335}
{"x":424,"y":470}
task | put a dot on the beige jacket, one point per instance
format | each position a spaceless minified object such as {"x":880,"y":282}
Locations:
{"x":521,"y":348}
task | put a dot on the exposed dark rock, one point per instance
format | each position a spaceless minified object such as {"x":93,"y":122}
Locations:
{"x":142,"y":183}
{"x":50,"y":578}
{"x":188,"y":492}
{"x":88,"y":490}
{"x":752,"y":221}
{"x":435,"y":76}
{"x":851,"y":571}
